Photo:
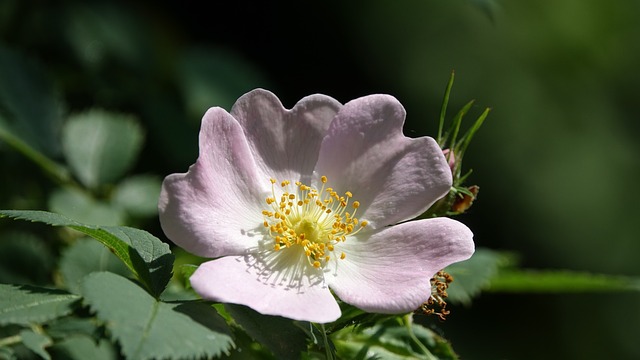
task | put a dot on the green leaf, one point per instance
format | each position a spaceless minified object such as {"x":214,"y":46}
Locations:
{"x":472,"y":275}
{"x":212,"y":76}
{"x":391,"y":340}
{"x":559,"y":281}
{"x":147,"y":328}
{"x":24,"y":304}
{"x":36,"y":123}
{"x":7,"y":353}
{"x":104,"y":34}
{"x":81,"y":347}
{"x":25,"y":259}
{"x":56,"y":171}
{"x":78,"y":205}
{"x":146,"y":256}
{"x":186,"y":270}
{"x":278,"y":334}
{"x":36,"y":343}
{"x":86,"y":256}
{"x":101,"y":146}
{"x":138,"y":195}
{"x":64,"y":327}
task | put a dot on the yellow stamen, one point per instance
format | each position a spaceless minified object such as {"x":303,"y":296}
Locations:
{"x":315,"y":219}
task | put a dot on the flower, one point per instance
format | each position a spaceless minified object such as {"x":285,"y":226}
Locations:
{"x":293,"y":205}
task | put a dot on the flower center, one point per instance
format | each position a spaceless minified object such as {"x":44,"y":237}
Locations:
{"x":312,"y":220}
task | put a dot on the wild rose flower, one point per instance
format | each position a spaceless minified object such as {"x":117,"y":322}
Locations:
{"x":294,"y":204}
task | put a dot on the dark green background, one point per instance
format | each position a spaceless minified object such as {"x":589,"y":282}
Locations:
{"x":557,"y":160}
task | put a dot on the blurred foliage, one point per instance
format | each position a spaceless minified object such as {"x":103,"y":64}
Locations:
{"x":557,"y":162}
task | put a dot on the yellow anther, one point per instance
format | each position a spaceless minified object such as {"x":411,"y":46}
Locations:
{"x":364,"y":223}
{"x":314,"y":219}
{"x":342,"y":256}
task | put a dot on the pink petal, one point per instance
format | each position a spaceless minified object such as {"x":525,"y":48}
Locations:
{"x":394,"y":178}
{"x":237,"y":280}
{"x":390,"y":271}
{"x":285,"y":143}
{"x":214,"y":209}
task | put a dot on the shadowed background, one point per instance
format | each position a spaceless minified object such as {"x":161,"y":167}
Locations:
{"x":557,"y":160}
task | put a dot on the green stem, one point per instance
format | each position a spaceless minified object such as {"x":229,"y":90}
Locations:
{"x":408,"y":322}
{"x":53,"y":169}
{"x":326,"y":343}
{"x":10,"y":340}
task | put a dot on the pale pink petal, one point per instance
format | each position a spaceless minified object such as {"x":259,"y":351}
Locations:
{"x":285,"y":143}
{"x":237,"y":280}
{"x":215,"y":208}
{"x":394,"y":178}
{"x":390,"y":271}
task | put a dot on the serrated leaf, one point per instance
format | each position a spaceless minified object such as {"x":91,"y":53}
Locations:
{"x":81,"y":347}
{"x":36,"y":123}
{"x":24,"y":305}
{"x":280,"y":335}
{"x":559,"y":281}
{"x":147,"y":328}
{"x":101,"y":146}
{"x":146,"y":256}
{"x":36,"y":343}
{"x":472,"y":275}
{"x":83,"y":208}
{"x":86,"y":256}
{"x":138,"y":195}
